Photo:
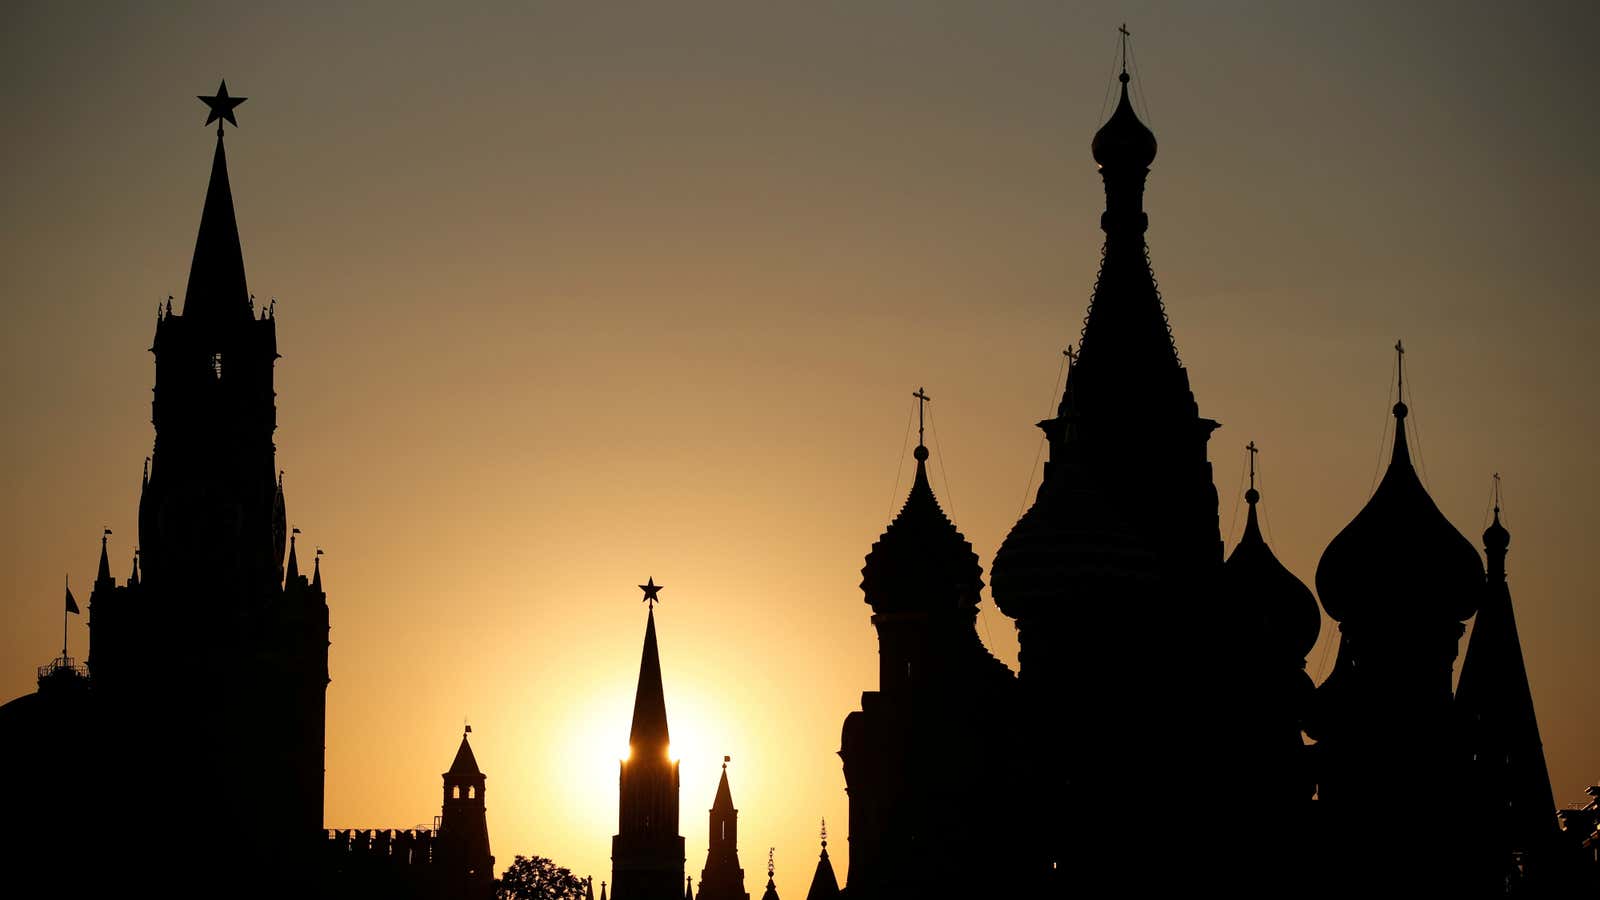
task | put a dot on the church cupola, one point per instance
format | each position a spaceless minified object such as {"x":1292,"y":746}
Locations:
{"x":1400,"y":561}
{"x":922,"y":562}
{"x":1276,"y":608}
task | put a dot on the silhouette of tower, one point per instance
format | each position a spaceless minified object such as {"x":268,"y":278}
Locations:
{"x":1276,"y":620}
{"x":824,"y":886}
{"x":1110,"y":571}
{"x":647,"y":854}
{"x":1507,"y":786}
{"x":723,"y":878}
{"x":468,"y":866}
{"x":941,"y":697}
{"x":1399,"y":580}
{"x":211,"y":636}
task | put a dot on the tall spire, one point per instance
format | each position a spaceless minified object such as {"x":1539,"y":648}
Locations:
{"x":649,"y":732}
{"x":217,"y":290}
{"x":1509,"y":781}
{"x":103,"y":576}
{"x":316,"y":571}
{"x":771,"y":893}
{"x":133,"y":577}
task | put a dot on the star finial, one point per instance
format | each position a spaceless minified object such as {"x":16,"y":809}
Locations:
{"x":651,"y":589}
{"x":222,"y":107}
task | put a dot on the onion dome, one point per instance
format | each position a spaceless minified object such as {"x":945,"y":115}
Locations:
{"x":1496,"y":539}
{"x":922,"y":559}
{"x":1400,"y":557}
{"x":1124,"y":142}
{"x":1268,"y":595}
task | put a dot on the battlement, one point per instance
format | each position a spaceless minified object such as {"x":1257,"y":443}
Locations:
{"x":399,"y":847}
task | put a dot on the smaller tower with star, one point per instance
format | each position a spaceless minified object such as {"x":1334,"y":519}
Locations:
{"x":647,"y":853}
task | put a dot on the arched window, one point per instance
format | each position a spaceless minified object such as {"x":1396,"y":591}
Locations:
{"x":455,"y":792}
{"x":472,"y":792}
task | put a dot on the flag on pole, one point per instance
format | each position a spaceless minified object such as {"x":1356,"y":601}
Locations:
{"x":72,"y":605}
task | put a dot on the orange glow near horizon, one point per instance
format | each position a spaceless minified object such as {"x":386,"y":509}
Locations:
{"x":570,"y":296}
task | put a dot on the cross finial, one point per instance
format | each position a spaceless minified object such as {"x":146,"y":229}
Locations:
{"x":1123,"y":30}
{"x":651,"y":589}
{"x":1497,"y":493}
{"x":824,"y":834}
{"x":1253,"y":451}
{"x":1400,"y":356}
{"x":922,"y":401}
{"x":1071,"y":355}
{"x":769,"y":862}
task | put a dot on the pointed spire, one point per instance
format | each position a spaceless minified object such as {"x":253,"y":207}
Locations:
{"x":688,"y":888}
{"x":724,"y":798}
{"x":465,"y":764}
{"x":649,"y":732}
{"x":217,"y":291}
{"x":316,"y":571}
{"x":602,"y":890}
{"x":588,"y":888}
{"x":103,"y":576}
{"x":824,"y":884}
{"x":133,"y":577}
{"x":293,"y":570}
{"x":1402,"y":453}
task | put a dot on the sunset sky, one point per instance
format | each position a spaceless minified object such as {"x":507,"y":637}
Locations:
{"x":572,"y":295}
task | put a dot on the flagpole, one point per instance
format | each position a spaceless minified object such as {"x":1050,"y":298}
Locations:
{"x":68,"y":582}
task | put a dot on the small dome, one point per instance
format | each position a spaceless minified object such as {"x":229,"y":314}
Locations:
{"x":922,"y":561}
{"x":1268,"y":596}
{"x":1400,"y":558}
{"x":1496,"y":538}
{"x":1124,"y":141}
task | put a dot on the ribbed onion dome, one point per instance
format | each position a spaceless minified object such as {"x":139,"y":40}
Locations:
{"x":1400,"y":558}
{"x":1268,"y":593}
{"x":1124,"y":141}
{"x":921,"y":560}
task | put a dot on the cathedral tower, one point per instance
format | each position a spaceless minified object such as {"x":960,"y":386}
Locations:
{"x":647,"y":853}
{"x":1507,"y":785}
{"x":1111,"y":571}
{"x":723,"y":877}
{"x":1399,"y":580}
{"x":918,"y":795}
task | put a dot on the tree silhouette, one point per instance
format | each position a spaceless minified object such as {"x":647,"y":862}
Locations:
{"x":538,"y":878}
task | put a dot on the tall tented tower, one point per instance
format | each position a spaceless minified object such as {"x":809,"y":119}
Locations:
{"x":647,"y":854}
{"x":1111,"y":572}
{"x":212,"y":638}
{"x":941,"y":697}
{"x":723,"y":877}
{"x":467,"y":866}
{"x":1510,"y":807}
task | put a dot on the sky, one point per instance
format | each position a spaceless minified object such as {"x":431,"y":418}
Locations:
{"x":573,"y":295}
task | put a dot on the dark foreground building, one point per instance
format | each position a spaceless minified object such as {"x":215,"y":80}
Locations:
{"x":1150,"y":664}
{"x":186,"y":757}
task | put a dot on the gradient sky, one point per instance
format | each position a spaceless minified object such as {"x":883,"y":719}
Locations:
{"x":573,"y":295}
